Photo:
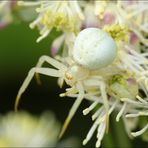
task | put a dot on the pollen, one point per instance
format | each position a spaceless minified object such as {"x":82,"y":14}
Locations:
{"x":58,"y":20}
{"x":117,"y":31}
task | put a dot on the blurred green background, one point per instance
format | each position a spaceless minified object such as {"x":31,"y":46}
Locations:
{"x":18,"y":53}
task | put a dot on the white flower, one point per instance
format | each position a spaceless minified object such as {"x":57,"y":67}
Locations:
{"x":5,"y":13}
{"x":62,"y":15}
{"x":135,"y":15}
{"x":23,"y":130}
{"x":119,"y":80}
{"x":113,"y":84}
{"x":118,"y":87}
{"x":140,"y":109}
{"x":91,"y":19}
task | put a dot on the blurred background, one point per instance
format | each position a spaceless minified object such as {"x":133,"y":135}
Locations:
{"x":19,"y":52}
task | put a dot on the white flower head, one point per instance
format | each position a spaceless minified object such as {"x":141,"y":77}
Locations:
{"x":22,"y":129}
{"x":5,"y":13}
{"x":135,"y":14}
{"x":101,"y":67}
{"x":131,"y":13}
{"x":65,"y":16}
{"x":91,"y":20}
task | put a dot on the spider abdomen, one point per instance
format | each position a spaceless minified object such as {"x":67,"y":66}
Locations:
{"x":94,"y":49}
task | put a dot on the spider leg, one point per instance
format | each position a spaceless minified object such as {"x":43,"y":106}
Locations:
{"x":99,"y":83}
{"x":44,"y":71}
{"x":52,"y":62}
{"x":73,"y":108}
{"x":106,"y":105}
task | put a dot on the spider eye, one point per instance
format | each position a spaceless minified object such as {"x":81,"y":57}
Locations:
{"x":94,"y":48}
{"x":68,"y":76}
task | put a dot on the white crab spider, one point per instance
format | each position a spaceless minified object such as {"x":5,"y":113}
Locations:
{"x":76,"y":73}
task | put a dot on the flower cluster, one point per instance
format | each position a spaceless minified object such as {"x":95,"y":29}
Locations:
{"x":62,"y":15}
{"x":6,"y":13}
{"x":105,"y":65}
{"x":23,"y":129}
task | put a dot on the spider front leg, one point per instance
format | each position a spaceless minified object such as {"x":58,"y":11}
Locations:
{"x":44,"y":71}
{"x":106,"y":104}
{"x":52,"y":62}
{"x":73,"y":108}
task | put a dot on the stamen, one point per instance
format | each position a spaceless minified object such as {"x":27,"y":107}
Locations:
{"x":78,"y":10}
{"x":91,"y":107}
{"x":126,"y":126}
{"x":137,"y":114}
{"x":121,"y":112}
{"x":140,"y":99}
{"x":34,"y":23}
{"x":43,"y":36}
{"x":143,"y":40}
{"x":99,"y":120}
{"x":132,"y":102}
{"x":24,"y":3}
{"x":138,"y":133}
{"x":90,"y":133}
{"x":100,"y":133}
{"x":137,"y":12}
{"x":101,"y":130}
{"x":97,"y":113}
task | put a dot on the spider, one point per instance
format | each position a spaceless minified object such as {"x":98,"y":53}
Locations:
{"x":79,"y":71}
